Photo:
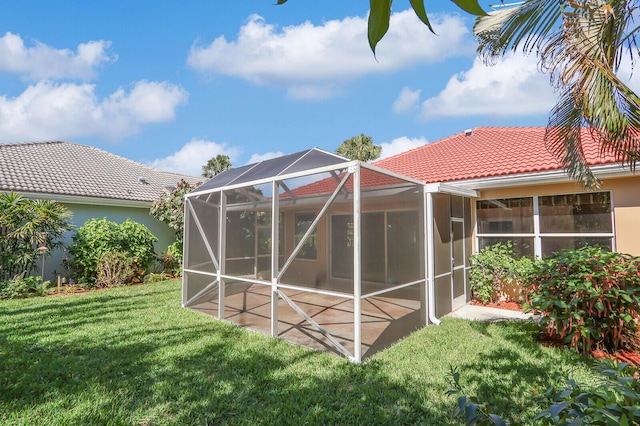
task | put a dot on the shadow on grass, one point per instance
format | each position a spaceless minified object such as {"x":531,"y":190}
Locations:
{"x":515,"y":373}
{"x":131,"y":358}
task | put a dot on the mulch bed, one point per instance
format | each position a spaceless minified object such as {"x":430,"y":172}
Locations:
{"x":632,"y":357}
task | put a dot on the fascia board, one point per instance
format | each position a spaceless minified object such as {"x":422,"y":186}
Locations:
{"x":540,"y":178}
{"x":450,"y":189}
{"x":94,"y":201}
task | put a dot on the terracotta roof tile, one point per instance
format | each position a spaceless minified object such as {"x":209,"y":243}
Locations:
{"x":64,"y":168}
{"x":486,"y":152}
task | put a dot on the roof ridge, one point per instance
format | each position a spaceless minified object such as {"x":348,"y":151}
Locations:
{"x":31,"y":143}
{"x":94,"y":148}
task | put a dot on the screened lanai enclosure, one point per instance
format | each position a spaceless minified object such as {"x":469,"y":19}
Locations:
{"x":322,"y":251}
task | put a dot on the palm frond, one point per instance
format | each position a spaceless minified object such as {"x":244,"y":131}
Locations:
{"x":580,"y":44}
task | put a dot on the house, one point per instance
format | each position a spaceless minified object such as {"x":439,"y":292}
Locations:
{"x":525,"y":196}
{"x":349,"y":257}
{"x":90,"y":182}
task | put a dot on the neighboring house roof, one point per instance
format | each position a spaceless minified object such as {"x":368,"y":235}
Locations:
{"x":71,"y":170}
{"x":486,"y":152}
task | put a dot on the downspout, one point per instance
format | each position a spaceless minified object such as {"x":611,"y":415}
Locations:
{"x":430,"y":260}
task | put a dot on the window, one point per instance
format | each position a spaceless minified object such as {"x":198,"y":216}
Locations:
{"x":568,"y":221}
{"x":309,"y":249}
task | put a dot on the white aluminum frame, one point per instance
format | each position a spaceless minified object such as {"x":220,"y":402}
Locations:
{"x":537,"y":235}
{"x":351,"y":169}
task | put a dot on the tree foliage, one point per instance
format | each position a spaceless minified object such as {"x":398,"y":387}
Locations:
{"x":380,"y":15}
{"x":216,"y":165}
{"x":169,"y":208}
{"x":581,"y":44}
{"x":27,"y":225}
{"x":360,"y":147}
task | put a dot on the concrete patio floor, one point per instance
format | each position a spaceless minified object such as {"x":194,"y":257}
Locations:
{"x":485,"y":313}
{"x":385,"y":318}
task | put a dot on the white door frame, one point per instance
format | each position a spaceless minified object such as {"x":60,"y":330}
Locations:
{"x":457,"y":302}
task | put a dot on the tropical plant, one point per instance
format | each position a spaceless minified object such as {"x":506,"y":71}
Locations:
{"x":380,"y":14}
{"x":169,"y":208}
{"x":494,"y":267}
{"x":614,"y":401}
{"x":99,"y":236}
{"x":28,"y":229}
{"x":360,"y":147}
{"x":23,"y":287}
{"x":581,"y":44}
{"x":216,"y":165}
{"x":590,"y":297}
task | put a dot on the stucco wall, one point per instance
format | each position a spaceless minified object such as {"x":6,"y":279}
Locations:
{"x":53,"y":265}
{"x":626,"y":205}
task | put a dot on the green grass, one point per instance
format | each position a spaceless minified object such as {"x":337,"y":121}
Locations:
{"x":134,"y":356}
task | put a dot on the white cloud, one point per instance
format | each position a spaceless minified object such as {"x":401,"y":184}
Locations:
{"x":266,"y":156}
{"x":308,"y":54}
{"x":193,"y":155}
{"x":40,"y":61}
{"x":313,"y":91}
{"x":512,"y":87}
{"x":399,"y":145}
{"x":407,"y":101}
{"x":47,"y":111}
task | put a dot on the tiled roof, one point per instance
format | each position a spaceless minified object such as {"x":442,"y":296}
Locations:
{"x":63,"y":168}
{"x":486,"y":152}
{"x":369,"y":179}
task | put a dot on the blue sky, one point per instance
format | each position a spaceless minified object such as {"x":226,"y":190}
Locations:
{"x":173,"y":84}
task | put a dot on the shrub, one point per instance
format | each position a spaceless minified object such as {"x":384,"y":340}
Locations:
{"x":614,"y":401}
{"x":114,"y":269}
{"x":169,"y":208}
{"x":172,"y":259}
{"x":154,"y":278}
{"x":99,"y":236}
{"x":589,"y":297}
{"x":23,"y":287}
{"x":493,"y":268}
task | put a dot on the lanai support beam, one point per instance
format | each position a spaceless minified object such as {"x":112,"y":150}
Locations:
{"x":222,"y":246}
{"x":275,"y":252}
{"x":357,"y":266}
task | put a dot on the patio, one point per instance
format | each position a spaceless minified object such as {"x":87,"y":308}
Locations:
{"x":382,"y":317}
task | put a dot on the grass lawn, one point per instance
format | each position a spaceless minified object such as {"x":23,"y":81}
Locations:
{"x":134,"y":356}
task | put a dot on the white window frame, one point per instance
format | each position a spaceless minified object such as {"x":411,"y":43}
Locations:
{"x":537,"y":235}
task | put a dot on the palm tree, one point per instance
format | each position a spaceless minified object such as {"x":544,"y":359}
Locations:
{"x":360,"y":147}
{"x":28,"y":228}
{"x":580,"y":43}
{"x":216,"y":165}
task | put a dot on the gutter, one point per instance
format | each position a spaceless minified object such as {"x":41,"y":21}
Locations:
{"x":431,"y":309}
